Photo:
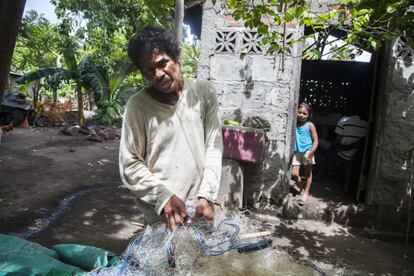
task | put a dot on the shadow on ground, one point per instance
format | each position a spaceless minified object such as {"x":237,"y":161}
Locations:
{"x":101,"y":219}
{"x":42,"y":168}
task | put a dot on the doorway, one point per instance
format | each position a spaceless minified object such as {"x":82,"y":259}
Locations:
{"x":335,"y":89}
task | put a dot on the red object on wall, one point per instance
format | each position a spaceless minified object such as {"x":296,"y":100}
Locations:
{"x":244,"y":144}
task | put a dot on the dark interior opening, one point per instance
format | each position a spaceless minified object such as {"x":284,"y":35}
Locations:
{"x":335,"y":89}
{"x":193,"y":17}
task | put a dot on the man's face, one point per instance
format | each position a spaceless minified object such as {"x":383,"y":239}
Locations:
{"x":162,"y":71}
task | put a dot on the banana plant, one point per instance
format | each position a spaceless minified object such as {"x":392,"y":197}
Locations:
{"x":84,"y":74}
{"x":110,"y":100}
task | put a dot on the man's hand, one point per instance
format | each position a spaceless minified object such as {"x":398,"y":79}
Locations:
{"x":204,"y":210}
{"x":175,"y":212}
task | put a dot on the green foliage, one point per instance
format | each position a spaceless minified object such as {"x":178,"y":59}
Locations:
{"x":109,"y":110}
{"x":189,"y":59}
{"x":69,"y":43}
{"x":135,"y":79}
{"x":107,"y":25}
{"x":37,"y":43}
{"x":344,"y":53}
{"x":90,"y":76}
{"x":113,"y":94}
{"x":367,"y":23}
{"x":41,"y":48}
{"x":125,"y":92}
{"x":90,"y":40}
{"x":53,"y":78}
{"x":109,"y":113}
{"x":44,"y":72}
{"x":85,"y":73}
{"x":64,"y":89}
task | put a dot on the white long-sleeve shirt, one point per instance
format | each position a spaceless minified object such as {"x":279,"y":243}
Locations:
{"x":168,"y":150}
{"x":351,"y":129}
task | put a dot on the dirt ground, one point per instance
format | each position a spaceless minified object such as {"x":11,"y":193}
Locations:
{"x":63,"y":189}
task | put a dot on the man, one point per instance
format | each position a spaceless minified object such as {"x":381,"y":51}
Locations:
{"x":349,"y":132}
{"x":171,"y":145}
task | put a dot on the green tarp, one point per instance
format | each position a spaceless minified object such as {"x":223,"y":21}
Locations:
{"x":21,"y":257}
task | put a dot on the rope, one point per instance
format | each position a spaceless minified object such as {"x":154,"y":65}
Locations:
{"x":314,"y":266}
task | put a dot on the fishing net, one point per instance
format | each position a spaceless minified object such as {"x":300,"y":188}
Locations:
{"x":236,"y":246}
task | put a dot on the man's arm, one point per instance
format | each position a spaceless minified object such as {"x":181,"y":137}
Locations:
{"x":213,"y":157}
{"x":339,"y":130}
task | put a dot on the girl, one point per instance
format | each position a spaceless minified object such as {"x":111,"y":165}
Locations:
{"x":305,"y":147}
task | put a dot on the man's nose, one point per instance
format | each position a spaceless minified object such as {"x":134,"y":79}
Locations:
{"x":159,"y":73}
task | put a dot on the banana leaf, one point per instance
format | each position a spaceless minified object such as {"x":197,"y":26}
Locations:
{"x":44,"y":72}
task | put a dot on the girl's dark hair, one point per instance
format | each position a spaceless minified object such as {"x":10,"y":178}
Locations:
{"x":307,"y":107}
{"x":146,"y":40}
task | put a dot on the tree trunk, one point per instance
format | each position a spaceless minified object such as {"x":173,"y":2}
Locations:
{"x":80,"y":118}
{"x":36,"y":89}
{"x":54,"y":95}
{"x":11,"y":12}
{"x":178,"y":20}
{"x":91,"y":97}
{"x":58,"y":65}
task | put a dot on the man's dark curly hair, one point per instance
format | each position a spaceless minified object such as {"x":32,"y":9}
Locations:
{"x":144,"y":41}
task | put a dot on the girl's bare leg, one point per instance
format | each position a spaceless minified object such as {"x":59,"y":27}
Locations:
{"x":308,"y":171}
{"x":296,"y":177}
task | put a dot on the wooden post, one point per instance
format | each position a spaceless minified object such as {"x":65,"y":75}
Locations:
{"x":11,"y":12}
{"x":178,"y":20}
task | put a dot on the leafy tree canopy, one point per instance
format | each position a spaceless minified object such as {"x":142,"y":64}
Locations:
{"x":37,"y":43}
{"x":125,"y":15}
{"x":91,"y":39}
{"x":364,"y":23}
{"x":105,"y":25}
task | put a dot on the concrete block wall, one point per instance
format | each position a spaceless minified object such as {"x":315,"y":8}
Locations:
{"x":257,"y":84}
{"x":396,"y":123}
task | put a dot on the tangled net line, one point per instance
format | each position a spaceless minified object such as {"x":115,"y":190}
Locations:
{"x":159,"y":251}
